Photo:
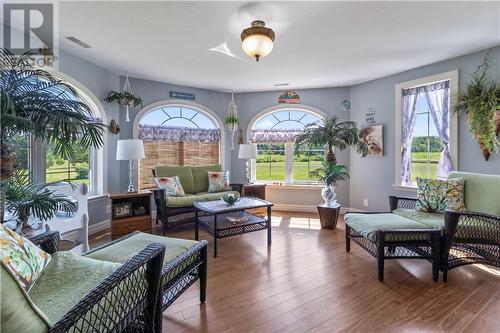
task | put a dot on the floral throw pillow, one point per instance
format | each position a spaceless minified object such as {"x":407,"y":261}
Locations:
{"x":171,"y":185}
{"x":218,"y":181}
{"x":437,"y":195}
{"x":24,"y":261}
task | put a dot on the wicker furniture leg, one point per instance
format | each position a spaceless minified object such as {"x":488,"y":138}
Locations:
{"x":269,"y":240}
{"x":197,"y":223}
{"x":380,"y":256}
{"x":347,"y":239}
{"x":436,"y":255}
{"x":202,"y":273}
{"x":153,"y":271}
{"x":215,"y":235}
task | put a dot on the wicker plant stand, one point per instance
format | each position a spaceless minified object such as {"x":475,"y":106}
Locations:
{"x":214,"y":217}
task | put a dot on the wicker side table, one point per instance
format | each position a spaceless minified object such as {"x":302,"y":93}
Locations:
{"x":328,"y":216}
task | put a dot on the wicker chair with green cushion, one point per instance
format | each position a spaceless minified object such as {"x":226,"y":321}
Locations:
{"x":466,"y":236}
{"x":174,"y":210}
{"x":185,"y":261}
{"x":79,"y":294}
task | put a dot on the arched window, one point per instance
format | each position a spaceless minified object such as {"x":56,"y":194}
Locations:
{"x":177,"y":135}
{"x":87,"y":166}
{"x":274,"y":133}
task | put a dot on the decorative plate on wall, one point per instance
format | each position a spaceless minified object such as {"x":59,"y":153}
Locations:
{"x":345,"y":105}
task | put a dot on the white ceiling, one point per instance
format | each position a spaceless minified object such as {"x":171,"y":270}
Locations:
{"x":318,"y":44}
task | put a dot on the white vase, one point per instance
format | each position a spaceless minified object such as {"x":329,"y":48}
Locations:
{"x":328,"y":194}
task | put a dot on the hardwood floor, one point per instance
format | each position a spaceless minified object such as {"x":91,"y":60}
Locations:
{"x":306,"y":282}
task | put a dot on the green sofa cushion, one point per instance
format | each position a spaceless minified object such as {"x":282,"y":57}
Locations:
{"x":188,"y":199}
{"x":431,"y":220}
{"x":184,"y":173}
{"x":481,"y":192}
{"x":200,"y":176}
{"x":368,"y":224}
{"x":128,"y":247}
{"x":67,"y":280}
{"x":18,"y":313}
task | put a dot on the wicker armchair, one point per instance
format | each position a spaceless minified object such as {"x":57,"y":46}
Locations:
{"x":467,"y":237}
{"x":119,"y":303}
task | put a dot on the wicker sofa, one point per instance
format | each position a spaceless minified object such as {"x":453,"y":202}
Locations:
{"x":173,"y":211}
{"x":78,"y":294}
{"x":465,"y":237}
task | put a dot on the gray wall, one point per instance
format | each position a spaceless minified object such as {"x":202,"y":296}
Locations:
{"x":372,"y":178}
{"x":152,"y":91}
{"x":327,"y":100}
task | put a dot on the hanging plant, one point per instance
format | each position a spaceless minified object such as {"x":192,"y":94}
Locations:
{"x":126,"y":98}
{"x":480,"y":102}
{"x":231,"y":120}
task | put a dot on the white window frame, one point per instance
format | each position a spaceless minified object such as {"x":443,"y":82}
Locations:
{"x":289,"y":147}
{"x":97,"y":157}
{"x":452,"y":76}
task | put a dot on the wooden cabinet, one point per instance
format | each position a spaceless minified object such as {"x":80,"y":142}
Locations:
{"x":258,"y":191}
{"x":255,"y":190}
{"x":130,"y":212}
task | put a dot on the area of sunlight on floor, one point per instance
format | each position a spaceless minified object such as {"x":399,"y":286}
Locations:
{"x":296,"y":222}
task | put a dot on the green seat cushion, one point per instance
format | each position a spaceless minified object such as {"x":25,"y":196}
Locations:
{"x":188,"y":199}
{"x":481,"y":192}
{"x":200,"y":176}
{"x":368,"y":225}
{"x":18,"y":313}
{"x":66,"y":281}
{"x":431,"y":220}
{"x":125,"y":249}
{"x":184,"y":173}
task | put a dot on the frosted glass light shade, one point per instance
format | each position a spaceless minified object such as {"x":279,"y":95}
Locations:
{"x":132,"y":149}
{"x":248,"y":151}
{"x":257,"y":46}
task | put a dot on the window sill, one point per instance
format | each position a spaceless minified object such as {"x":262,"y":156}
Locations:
{"x":405,"y":188}
{"x":309,"y":187}
{"x":97,"y":196}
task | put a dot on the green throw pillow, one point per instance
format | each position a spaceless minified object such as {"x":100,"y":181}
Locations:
{"x":171,"y":185}
{"x":438,"y":195}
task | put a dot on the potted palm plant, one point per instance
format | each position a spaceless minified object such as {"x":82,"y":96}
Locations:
{"x":330,"y":133}
{"x":36,"y":103}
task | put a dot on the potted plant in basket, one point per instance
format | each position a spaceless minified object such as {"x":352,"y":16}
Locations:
{"x":480,"y":102}
{"x":36,"y":103}
{"x":331,"y":133}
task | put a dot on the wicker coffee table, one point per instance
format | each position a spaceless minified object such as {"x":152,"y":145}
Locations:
{"x":222,"y":220}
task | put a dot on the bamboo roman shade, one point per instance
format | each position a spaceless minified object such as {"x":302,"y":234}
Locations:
{"x":176,"y":146}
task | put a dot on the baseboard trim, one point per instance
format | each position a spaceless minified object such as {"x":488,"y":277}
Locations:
{"x":307,"y":208}
{"x":93,"y":229}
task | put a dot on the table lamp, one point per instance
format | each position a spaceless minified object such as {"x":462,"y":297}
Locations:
{"x":247,"y":151}
{"x":130,"y":150}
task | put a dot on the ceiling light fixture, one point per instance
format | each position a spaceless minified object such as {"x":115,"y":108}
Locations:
{"x":258,"y":40}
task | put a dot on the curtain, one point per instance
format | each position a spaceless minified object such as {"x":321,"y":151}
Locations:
{"x":439,"y":106}
{"x":274,"y":135}
{"x":409,"y":116}
{"x":178,"y":134}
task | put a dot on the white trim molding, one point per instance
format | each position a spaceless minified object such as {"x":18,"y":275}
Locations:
{"x":181,"y":103}
{"x":452,"y":76}
{"x":306,"y":208}
{"x":288,"y":146}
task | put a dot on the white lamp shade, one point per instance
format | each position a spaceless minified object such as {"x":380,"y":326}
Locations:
{"x":130,"y":150}
{"x":257,"y":45}
{"x":247,"y":150}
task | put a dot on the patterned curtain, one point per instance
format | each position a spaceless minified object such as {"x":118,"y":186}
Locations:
{"x":178,"y":134}
{"x":274,"y":135}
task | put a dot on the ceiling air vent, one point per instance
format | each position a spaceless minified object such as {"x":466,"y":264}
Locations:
{"x":281,"y":84}
{"x":78,"y":42}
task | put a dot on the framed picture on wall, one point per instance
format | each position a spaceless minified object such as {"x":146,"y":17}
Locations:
{"x":373,"y":137}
